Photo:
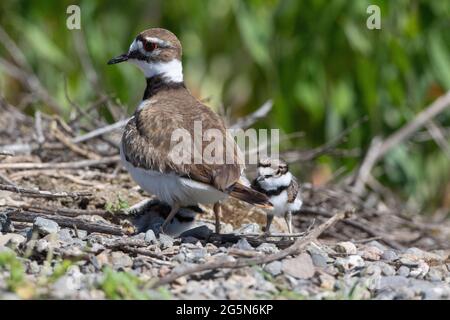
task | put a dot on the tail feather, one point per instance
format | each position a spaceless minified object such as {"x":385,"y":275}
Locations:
{"x":250,"y":195}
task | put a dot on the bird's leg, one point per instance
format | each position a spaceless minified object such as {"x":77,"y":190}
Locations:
{"x":268,"y":223}
{"x":173,"y":211}
{"x":288,"y":219}
{"x":217,"y":212}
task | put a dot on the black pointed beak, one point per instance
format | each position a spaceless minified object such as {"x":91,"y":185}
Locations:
{"x":118,"y":59}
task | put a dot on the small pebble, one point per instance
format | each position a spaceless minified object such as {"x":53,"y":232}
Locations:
{"x":45,"y":226}
{"x":319,"y":260}
{"x":346,"y":247}
{"x":267,"y":248}
{"x":349,"y":263}
{"x":389,"y":255}
{"x":274,"y":268}
{"x":5,"y":223}
{"x":249,"y":228}
{"x":371,"y":253}
{"x":150,"y":237}
{"x":165,"y":241}
{"x":243,"y":244}
{"x":403,"y":271}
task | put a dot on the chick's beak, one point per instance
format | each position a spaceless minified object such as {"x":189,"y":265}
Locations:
{"x":118,"y":59}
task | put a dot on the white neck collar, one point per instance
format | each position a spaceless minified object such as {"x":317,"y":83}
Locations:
{"x":172,"y":70}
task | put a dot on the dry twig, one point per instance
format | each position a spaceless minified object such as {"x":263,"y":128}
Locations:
{"x":61,"y":165}
{"x":67,"y":222}
{"x":43,"y":194}
{"x":260,"y":113}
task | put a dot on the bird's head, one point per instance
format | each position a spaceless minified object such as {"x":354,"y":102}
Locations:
{"x":157,"y":52}
{"x":273,"y":173}
{"x":272,"y":168}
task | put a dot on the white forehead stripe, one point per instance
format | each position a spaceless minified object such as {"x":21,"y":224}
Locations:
{"x":135,"y":45}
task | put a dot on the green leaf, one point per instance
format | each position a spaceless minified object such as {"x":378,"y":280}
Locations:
{"x":440,"y":59}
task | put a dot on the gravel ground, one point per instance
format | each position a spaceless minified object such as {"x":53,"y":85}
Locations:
{"x":43,"y":260}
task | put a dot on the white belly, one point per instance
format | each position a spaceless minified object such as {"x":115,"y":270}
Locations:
{"x":171,"y":188}
{"x":281,"y":205}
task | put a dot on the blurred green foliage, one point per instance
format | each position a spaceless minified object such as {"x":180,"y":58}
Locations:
{"x":317,"y":59}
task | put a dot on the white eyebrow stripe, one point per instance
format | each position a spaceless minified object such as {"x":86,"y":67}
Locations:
{"x":162,"y":43}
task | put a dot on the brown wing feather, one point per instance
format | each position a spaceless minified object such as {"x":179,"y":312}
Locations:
{"x":146,"y":142}
{"x":251,"y":196}
{"x":292,"y":190}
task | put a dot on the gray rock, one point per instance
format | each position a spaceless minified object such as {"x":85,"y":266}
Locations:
{"x":409,"y":262}
{"x":97,"y":248}
{"x":319,"y":260}
{"x":249,"y":228}
{"x":403,"y":271}
{"x":377,"y":244}
{"x":11,"y":240}
{"x":385,"y":295}
{"x":227,"y":228}
{"x":346,"y":247}
{"x":139,"y":236}
{"x":420,"y":271}
{"x":392,"y":282}
{"x":435,"y":274}
{"x":274,"y":268}
{"x":300,"y":267}
{"x":45,"y":226}
{"x":327,"y":281}
{"x":267,"y":248}
{"x":432,"y":294}
{"x":69,"y":284}
{"x":386,"y":269}
{"x":5,"y":223}
{"x":120,"y":260}
{"x":201,"y":232}
{"x":165,"y":241}
{"x":150,"y":237}
{"x":65,"y":235}
{"x":33,"y":267}
{"x":372,"y":270}
{"x":243,"y":244}
{"x":349,"y":263}
{"x":371,"y":253}
{"x":81,"y":234}
{"x":191,"y":240}
{"x":42,"y":245}
{"x":389,"y":255}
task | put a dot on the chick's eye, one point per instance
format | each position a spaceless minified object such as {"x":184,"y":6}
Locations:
{"x":150,"y":46}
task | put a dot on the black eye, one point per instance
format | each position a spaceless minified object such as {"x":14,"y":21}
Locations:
{"x":150,"y":46}
{"x":278,"y":171}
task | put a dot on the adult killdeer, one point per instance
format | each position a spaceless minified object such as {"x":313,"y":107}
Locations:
{"x":275,"y":181}
{"x":166,"y":106}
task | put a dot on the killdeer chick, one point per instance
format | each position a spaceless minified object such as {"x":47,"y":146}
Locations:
{"x":166,"y":106}
{"x":275,"y":181}
{"x":155,"y":213}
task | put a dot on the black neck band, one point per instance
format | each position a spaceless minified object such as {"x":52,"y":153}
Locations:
{"x":158,"y":83}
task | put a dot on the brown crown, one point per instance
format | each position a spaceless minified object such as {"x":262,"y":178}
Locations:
{"x":167,"y":54}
